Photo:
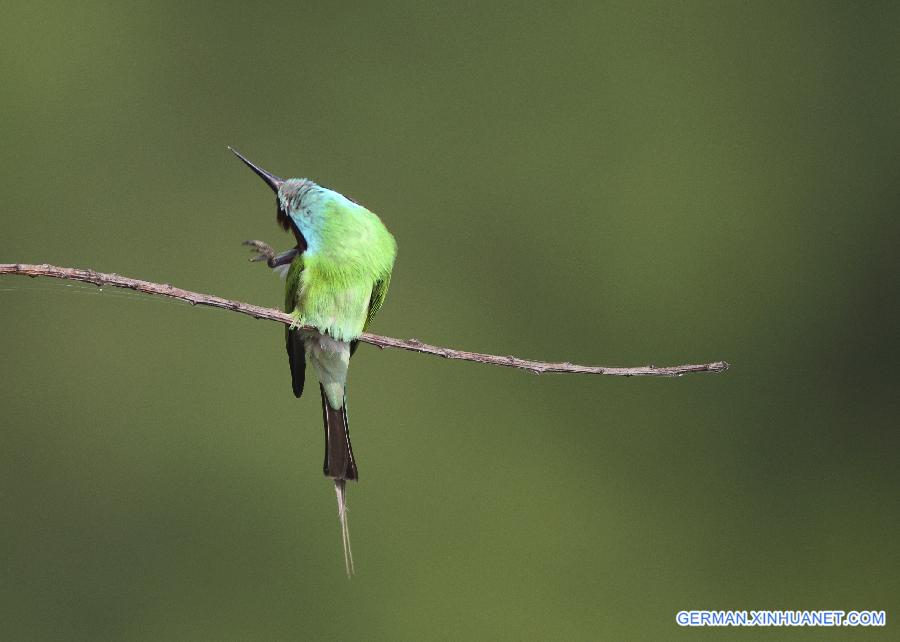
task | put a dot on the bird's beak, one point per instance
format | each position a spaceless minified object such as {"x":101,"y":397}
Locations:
{"x":271,"y":180}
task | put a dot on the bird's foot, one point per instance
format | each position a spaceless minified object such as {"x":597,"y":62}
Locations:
{"x":264,"y":252}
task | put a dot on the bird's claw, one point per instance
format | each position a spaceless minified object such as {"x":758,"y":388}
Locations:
{"x":264,"y":251}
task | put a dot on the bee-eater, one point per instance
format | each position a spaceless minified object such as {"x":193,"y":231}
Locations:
{"x":337,"y":279}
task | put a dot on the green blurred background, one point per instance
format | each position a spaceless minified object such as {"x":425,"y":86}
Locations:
{"x":617,"y":184}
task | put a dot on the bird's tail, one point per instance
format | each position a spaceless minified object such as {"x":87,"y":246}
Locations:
{"x":339,"y":465}
{"x":341,"y":492}
{"x":339,"y":461}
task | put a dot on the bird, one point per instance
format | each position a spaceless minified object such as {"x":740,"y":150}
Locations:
{"x":336,"y":279}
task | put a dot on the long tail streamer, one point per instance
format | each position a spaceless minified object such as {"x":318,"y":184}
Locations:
{"x":341,"y":492}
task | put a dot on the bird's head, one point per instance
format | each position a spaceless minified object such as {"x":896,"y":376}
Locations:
{"x":291,"y":195}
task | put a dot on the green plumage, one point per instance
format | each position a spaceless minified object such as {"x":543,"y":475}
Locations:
{"x":341,"y":279}
{"x":338,"y":283}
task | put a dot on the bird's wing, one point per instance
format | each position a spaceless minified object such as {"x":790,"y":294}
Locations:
{"x":294,"y":344}
{"x":379,"y":294}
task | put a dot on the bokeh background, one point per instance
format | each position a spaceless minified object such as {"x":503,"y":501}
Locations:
{"x":608,"y":183}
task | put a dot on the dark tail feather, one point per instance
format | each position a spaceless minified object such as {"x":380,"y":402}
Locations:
{"x":339,"y":461}
{"x":297,"y":360}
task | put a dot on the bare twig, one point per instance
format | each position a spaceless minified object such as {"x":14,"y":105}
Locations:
{"x":195,"y":298}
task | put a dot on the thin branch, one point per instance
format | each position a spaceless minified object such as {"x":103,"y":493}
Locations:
{"x":195,"y":298}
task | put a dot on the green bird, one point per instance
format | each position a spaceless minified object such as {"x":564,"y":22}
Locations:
{"x":337,"y":278}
